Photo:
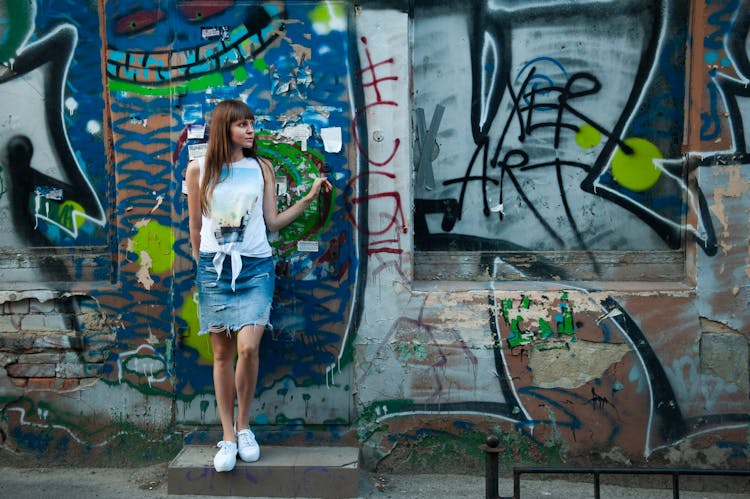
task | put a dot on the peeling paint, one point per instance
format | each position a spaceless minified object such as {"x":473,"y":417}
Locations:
{"x":736,"y":186}
{"x":583,"y":362}
{"x":144,"y":274}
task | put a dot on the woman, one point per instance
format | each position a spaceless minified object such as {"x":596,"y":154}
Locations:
{"x":231,"y":205}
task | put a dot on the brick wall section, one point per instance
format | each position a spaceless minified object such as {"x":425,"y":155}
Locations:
{"x":44,"y":344}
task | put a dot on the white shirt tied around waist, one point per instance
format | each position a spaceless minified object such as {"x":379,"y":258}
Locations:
{"x":235,"y":225}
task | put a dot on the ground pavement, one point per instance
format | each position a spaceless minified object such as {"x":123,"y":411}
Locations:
{"x":150,"y":482}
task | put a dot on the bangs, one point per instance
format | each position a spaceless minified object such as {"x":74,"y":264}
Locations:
{"x":239,"y":112}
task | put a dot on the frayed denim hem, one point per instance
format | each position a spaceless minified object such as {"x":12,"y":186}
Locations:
{"x":228,"y":330}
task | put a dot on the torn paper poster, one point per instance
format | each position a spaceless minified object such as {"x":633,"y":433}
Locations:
{"x":196,"y":151}
{"x":281,"y":186}
{"x":214,"y":33}
{"x":331,"y":138}
{"x":196,"y":131}
{"x":298,"y":133}
{"x":192,"y":113}
{"x":307,"y":246}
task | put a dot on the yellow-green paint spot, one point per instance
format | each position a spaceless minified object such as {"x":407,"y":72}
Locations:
{"x":588,"y":137}
{"x":189,"y":314}
{"x":158,"y":241}
{"x":327,"y":17}
{"x":636,"y":171}
{"x":67,"y":209}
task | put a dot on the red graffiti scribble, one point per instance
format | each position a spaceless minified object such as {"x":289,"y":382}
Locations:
{"x":371,"y":68}
{"x":396,"y":141}
{"x":394,"y":218}
{"x":379,"y":101}
{"x":385,"y":238}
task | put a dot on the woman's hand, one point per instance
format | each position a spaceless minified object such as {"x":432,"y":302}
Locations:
{"x":319,"y":184}
{"x":276,"y":221}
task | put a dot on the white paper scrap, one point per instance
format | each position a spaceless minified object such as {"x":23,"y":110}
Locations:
{"x":196,"y":131}
{"x":331,"y":138}
{"x":307,"y":246}
{"x":196,"y":151}
{"x":298,"y":133}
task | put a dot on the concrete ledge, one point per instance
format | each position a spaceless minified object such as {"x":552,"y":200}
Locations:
{"x":325,"y":472}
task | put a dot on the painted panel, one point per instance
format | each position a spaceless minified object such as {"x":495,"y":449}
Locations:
{"x":55,"y":178}
{"x":551,"y":126}
{"x":167,"y":66}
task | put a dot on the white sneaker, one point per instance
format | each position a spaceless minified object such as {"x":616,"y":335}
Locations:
{"x":226,"y":458}
{"x":249,"y":449}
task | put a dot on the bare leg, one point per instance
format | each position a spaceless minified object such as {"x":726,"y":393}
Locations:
{"x":246,"y":375}
{"x":224,"y":348}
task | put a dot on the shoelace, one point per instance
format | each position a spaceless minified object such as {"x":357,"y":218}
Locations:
{"x":223,"y":446}
{"x":246,"y":438}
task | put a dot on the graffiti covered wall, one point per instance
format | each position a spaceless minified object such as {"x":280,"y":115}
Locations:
{"x":582,"y":184}
{"x":524,"y":115}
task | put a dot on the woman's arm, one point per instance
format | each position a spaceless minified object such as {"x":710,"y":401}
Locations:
{"x":276,"y":221}
{"x":192,"y":178}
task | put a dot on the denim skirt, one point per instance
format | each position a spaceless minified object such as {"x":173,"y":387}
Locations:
{"x":220,"y":307}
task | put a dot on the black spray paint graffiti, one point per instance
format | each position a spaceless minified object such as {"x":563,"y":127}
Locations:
{"x":736,"y":90}
{"x":44,"y":180}
{"x":518,"y":120}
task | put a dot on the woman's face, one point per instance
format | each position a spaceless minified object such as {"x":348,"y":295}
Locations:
{"x":242,"y":133}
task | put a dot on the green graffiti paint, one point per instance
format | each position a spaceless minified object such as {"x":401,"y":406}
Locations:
{"x":540,"y":333}
{"x":202,"y":83}
{"x":299,"y":167}
{"x":566,"y":326}
{"x":545,"y":329}
{"x":72,"y":215}
{"x":138,"y":89}
{"x":158,"y":241}
{"x":69,"y":215}
{"x":240,"y":74}
{"x":506,"y":304}
{"x":514,"y":324}
{"x":260,"y":64}
{"x":636,"y":171}
{"x":198,"y":84}
{"x":20,"y":17}
{"x":588,"y":137}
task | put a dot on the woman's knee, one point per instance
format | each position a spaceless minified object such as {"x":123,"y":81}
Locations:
{"x":223,"y":348}
{"x":248,"y":341}
{"x":223,"y":357}
{"x":248,"y":350}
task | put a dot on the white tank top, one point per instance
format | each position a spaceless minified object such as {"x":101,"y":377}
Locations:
{"x":235,"y":225}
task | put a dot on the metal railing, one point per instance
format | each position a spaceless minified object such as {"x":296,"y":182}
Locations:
{"x":492,"y":474}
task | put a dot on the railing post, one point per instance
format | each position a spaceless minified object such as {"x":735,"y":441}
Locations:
{"x":597,"y":486}
{"x":491,"y":471}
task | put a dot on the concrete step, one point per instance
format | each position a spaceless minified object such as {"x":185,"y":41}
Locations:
{"x":310,"y":472}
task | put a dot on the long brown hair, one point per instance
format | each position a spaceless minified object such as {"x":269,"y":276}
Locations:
{"x":219,"y":149}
